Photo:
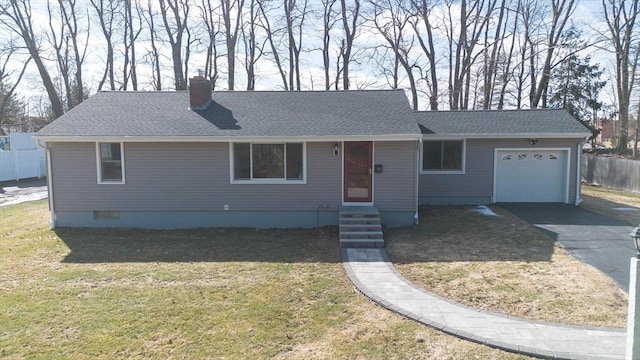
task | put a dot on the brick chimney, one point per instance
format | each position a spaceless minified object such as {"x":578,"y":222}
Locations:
{"x":199,"y":93}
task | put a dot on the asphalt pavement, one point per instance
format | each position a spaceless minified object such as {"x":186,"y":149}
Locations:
{"x":600,"y":241}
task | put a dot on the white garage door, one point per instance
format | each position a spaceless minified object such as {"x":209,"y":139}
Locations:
{"x":531,"y":175}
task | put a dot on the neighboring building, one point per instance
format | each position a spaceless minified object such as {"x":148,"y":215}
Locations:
{"x":293,"y":159}
{"x":607,"y":131}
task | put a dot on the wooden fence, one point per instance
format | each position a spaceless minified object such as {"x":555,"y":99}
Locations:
{"x":611,"y":172}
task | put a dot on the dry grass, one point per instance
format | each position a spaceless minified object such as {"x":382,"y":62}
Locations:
{"x":502,"y":264}
{"x":612,"y":202}
{"x":103,"y":294}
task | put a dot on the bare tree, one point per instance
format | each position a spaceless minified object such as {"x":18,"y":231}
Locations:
{"x":286,"y":38}
{"x":295,"y":16}
{"x":231,"y":19}
{"x":70,"y":17}
{"x":16,"y":18}
{"x":105,"y":10}
{"x":149,"y":17}
{"x":211,"y":21}
{"x":507,"y":71}
{"x":70,"y":53}
{"x":59,"y":39}
{"x":350,"y":20}
{"x":328,"y":21}
{"x":271,"y":35}
{"x":174,"y":16}
{"x":474,"y":17}
{"x":621,"y":16}
{"x":422,"y":22}
{"x":391,"y":20}
{"x":131,"y":35}
{"x":561,"y":13}
{"x":529,"y":21}
{"x":339,"y":68}
{"x":491,"y":61}
{"x":253,"y":49}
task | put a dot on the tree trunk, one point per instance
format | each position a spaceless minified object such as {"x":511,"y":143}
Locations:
{"x":231,"y":27}
{"x":423,"y":10}
{"x":349,"y":36}
{"x":18,"y":18}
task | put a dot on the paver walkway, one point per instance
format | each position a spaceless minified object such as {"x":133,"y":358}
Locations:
{"x":375,"y":276}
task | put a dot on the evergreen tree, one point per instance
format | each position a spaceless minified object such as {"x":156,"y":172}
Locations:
{"x":11,"y":109}
{"x":576,"y":83}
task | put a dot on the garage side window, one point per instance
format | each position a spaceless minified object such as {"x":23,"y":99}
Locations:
{"x":443,"y":156}
{"x":110,"y":163}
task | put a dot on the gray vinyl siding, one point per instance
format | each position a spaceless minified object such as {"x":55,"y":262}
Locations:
{"x":395,"y":187}
{"x":476,"y":184}
{"x":173,"y":177}
{"x":186,"y":177}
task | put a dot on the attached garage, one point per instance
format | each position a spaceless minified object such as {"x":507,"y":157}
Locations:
{"x":525,"y":175}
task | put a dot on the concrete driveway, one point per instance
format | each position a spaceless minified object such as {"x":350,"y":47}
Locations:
{"x":598,"y":240}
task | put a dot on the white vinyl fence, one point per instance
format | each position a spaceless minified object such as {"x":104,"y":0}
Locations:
{"x":24,"y":158}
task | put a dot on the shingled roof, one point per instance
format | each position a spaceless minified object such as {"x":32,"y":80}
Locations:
{"x":241,"y":114}
{"x":295,"y":114}
{"x":500,"y":123}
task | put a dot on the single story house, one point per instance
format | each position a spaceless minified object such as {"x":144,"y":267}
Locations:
{"x":292,"y":159}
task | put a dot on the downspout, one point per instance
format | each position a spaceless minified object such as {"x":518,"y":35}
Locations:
{"x":579,"y":172}
{"x":416,"y":216}
{"x":52,"y":221}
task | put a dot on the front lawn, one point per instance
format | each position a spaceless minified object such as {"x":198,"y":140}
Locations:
{"x":502,"y":264}
{"x":620,"y":204}
{"x":85,"y":294}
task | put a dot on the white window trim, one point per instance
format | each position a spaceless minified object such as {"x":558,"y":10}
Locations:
{"x":99,"y":164}
{"x":266,"y":181}
{"x":444,"y":172}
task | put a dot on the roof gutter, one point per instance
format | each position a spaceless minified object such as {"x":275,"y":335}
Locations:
{"x":52,"y":211}
{"x":506,"y":136}
{"x":416,"y":215}
{"x":225,"y":139}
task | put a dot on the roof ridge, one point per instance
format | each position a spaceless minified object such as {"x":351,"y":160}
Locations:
{"x":306,"y":91}
{"x":142,"y":91}
{"x":244,"y":91}
{"x":487,"y":110}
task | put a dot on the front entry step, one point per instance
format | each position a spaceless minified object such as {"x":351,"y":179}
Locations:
{"x":360,"y":226}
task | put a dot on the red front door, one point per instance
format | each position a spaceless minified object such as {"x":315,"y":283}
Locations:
{"x":357,"y":171}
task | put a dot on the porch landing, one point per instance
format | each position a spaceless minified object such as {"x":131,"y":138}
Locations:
{"x":360,"y":226}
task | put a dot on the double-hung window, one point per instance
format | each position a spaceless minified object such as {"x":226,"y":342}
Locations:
{"x":110,"y":158}
{"x":268,"y":162}
{"x":443,"y":156}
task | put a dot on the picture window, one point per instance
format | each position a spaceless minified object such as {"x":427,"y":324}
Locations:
{"x":277,"y":161}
